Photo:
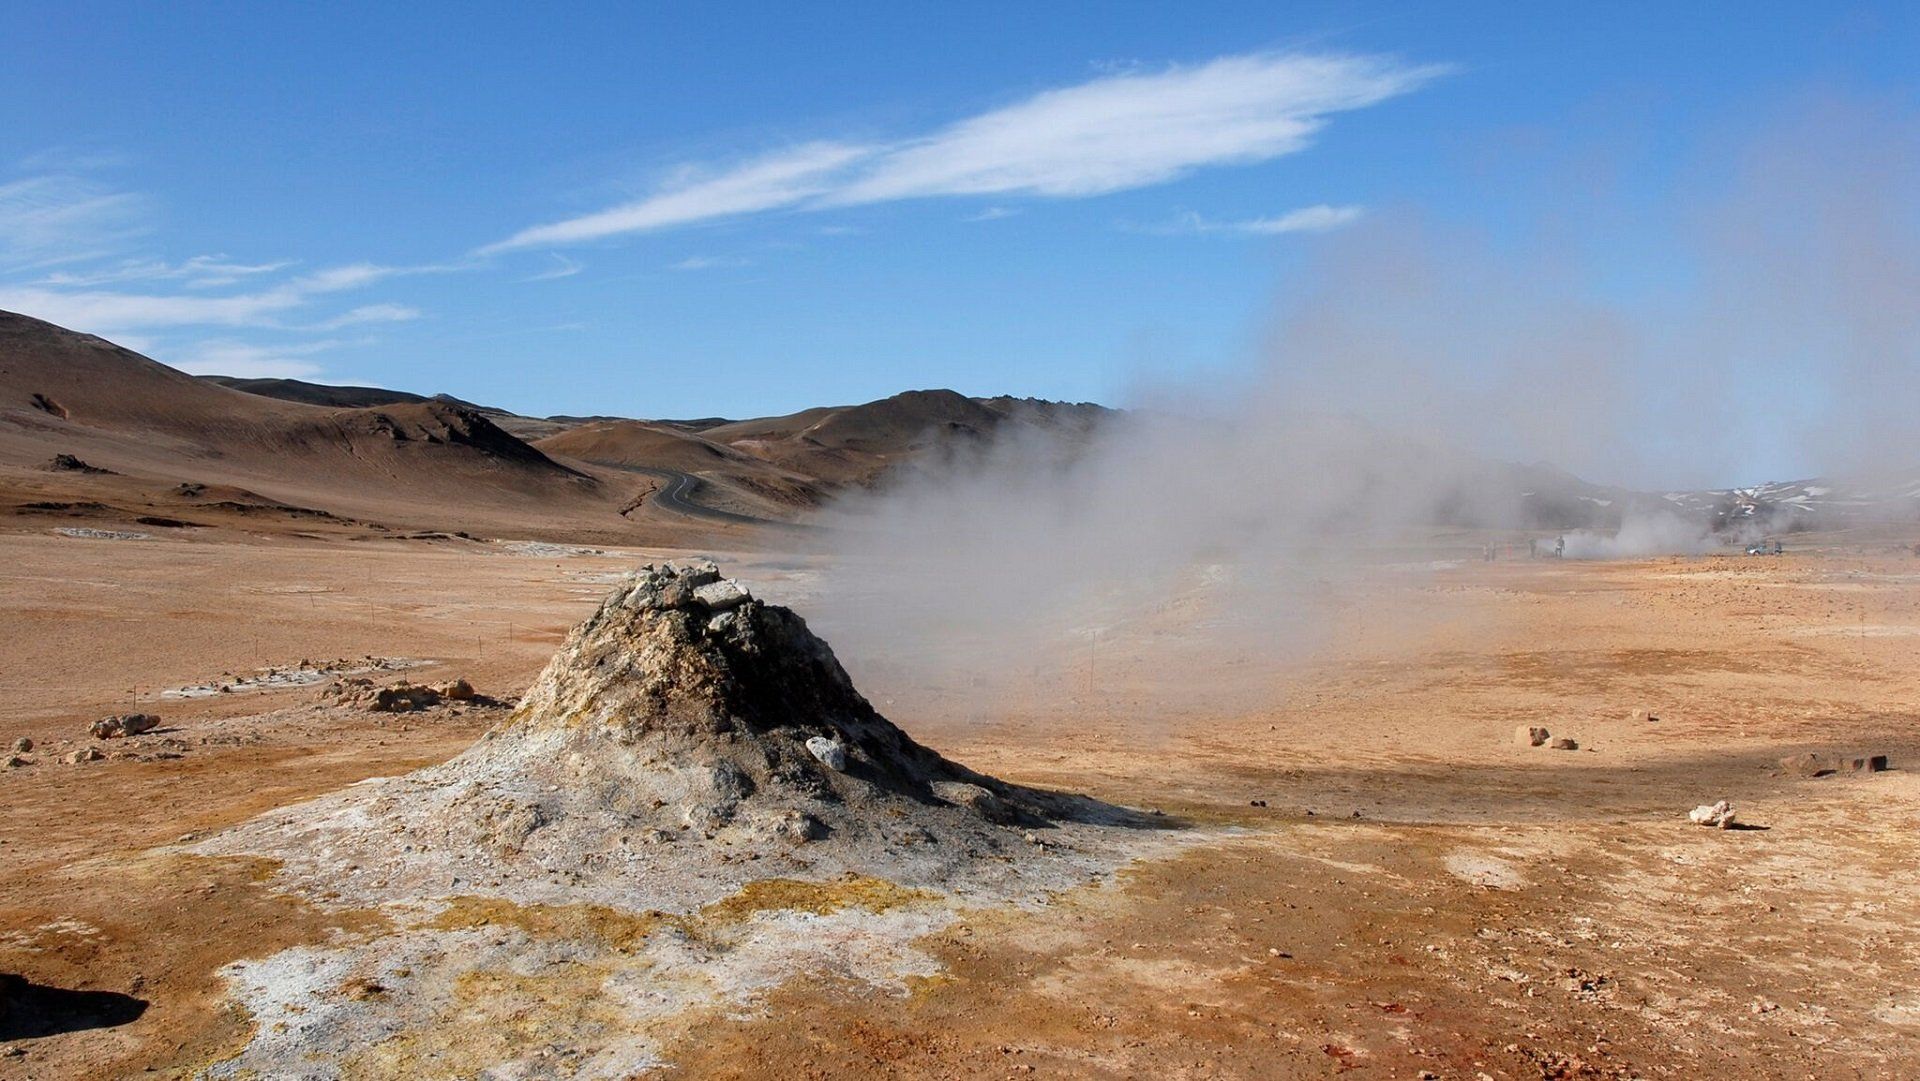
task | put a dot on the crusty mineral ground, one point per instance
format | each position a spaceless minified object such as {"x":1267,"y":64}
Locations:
{"x":690,"y":805}
{"x":1494,"y":909}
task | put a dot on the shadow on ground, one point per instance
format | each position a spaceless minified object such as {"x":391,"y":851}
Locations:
{"x":29,"y":1010}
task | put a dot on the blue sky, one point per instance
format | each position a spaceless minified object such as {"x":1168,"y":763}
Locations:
{"x":668,"y":210}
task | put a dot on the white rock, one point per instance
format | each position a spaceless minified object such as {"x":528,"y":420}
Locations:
{"x":1718,"y":816}
{"x":829,"y":751}
{"x":723,"y":594}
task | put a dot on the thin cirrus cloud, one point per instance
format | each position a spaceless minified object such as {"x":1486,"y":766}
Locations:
{"x":54,"y":219}
{"x":199,"y":272}
{"x":107,"y":311}
{"x":710,"y":262}
{"x":248,"y":361}
{"x":562,"y":267}
{"x":1111,"y":134}
{"x":1308,"y":219}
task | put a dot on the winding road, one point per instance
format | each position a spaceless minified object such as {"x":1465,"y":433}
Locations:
{"x":675,"y":495}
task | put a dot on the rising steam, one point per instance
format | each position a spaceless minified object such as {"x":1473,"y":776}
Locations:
{"x":1401,"y":369}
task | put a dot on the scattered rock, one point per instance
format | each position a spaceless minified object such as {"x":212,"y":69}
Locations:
{"x":1819,"y":765}
{"x":22,"y":745}
{"x":84,"y":754}
{"x":1806,"y":765}
{"x":400,"y":697}
{"x":1718,"y":816}
{"x":122,"y":725}
{"x":67,"y":463}
{"x":15,"y":761}
{"x":1565,"y":744}
{"x":976,"y":799}
{"x":722,"y":595}
{"x":1864,"y":763}
{"x":455,"y":690}
{"x":1531,"y":735}
{"x":831,"y":753}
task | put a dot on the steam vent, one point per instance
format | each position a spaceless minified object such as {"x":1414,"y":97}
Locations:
{"x":687,"y":739}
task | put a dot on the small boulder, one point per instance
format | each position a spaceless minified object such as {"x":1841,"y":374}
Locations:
{"x":84,"y":754}
{"x":1861,"y":763}
{"x":1531,"y":735}
{"x":22,"y":745}
{"x":397,"y":698}
{"x":120,"y":725}
{"x":1716,"y":816}
{"x":831,"y":752}
{"x":15,"y":761}
{"x":722,"y":595}
{"x":1806,"y":765}
{"x":454,"y":690}
{"x":981,"y":801}
{"x":1565,"y":744}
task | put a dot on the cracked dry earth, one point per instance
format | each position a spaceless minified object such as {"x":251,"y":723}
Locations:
{"x":1417,"y":895}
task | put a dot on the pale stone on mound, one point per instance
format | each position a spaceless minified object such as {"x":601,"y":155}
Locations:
{"x":722,"y":595}
{"x":830,"y":753}
{"x":1530,"y":735}
{"x":1717,"y":816}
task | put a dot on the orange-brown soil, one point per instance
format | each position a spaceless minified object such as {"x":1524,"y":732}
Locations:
{"x":1418,"y":894}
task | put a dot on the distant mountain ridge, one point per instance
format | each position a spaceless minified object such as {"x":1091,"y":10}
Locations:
{"x":393,"y":455}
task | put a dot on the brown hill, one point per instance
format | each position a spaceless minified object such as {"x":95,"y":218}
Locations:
{"x":298,"y":390}
{"x":339,"y":396}
{"x":142,"y":432}
{"x":637,"y":443}
{"x":728,"y":479}
{"x":424,"y":463}
{"x":857,"y":444}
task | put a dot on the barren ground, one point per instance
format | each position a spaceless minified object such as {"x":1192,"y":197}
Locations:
{"x":1418,"y":893}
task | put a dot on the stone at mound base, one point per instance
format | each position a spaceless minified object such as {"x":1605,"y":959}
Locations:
{"x":664,"y":754}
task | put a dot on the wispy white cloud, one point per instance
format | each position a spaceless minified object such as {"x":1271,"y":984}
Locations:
{"x":103,"y":312}
{"x":64,"y":257}
{"x":351,"y":276}
{"x":562,"y":267}
{"x":710,"y":262}
{"x":1136,"y":129}
{"x":1307,"y":219}
{"x":247,"y":361}
{"x":369,"y":313}
{"x":50,"y":220}
{"x":992,"y":213}
{"x":1121,"y":131}
{"x":199,"y":272}
{"x":106,"y":311}
{"x":775,"y":180}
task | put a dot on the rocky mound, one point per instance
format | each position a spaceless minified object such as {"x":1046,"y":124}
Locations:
{"x":686,"y":740}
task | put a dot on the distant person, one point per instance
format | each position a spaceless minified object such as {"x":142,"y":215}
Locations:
{"x":1533,"y":548}
{"x":1560,"y":548}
